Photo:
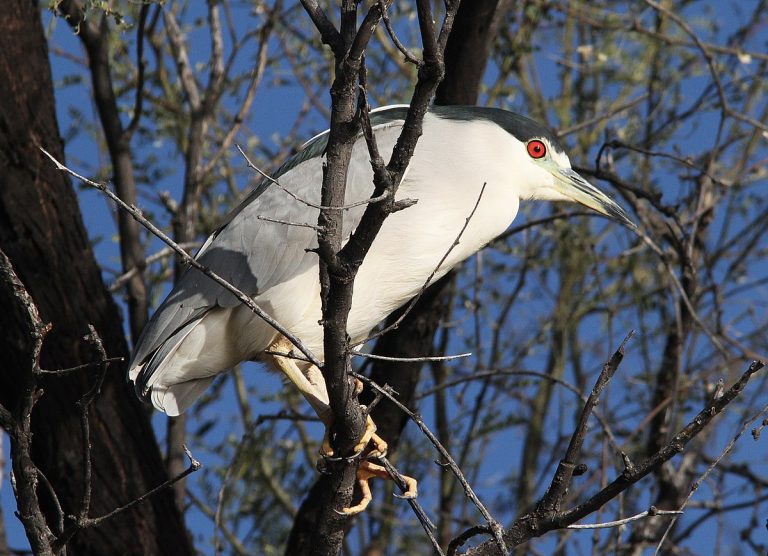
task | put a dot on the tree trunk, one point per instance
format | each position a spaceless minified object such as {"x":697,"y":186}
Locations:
{"x":42,"y":233}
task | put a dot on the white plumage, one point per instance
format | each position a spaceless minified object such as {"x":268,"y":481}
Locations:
{"x":200,"y":330}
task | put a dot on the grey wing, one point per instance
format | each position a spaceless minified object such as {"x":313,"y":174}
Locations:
{"x":252,"y":251}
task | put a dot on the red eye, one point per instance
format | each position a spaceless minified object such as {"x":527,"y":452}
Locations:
{"x":536,"y":149}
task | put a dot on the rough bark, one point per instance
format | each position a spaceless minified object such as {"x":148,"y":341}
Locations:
{"x":3,"y":537}
{"x":42,"y":233}
{"x":464,"y":69}
{"x":467,"y":50}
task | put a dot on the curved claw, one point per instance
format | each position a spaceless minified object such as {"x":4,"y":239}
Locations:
{"x":326,"y":451}
{"x":325,"y":458}
{"x":378,"y":450}
{"x":365,"y":473}
{"x":405,"y":496}
{"x":358,"y":385}
{"x":368,"y":434}
{"x":375,"y":454}
{"x":411,"y":490}
{"x":322,"y":467}
{"x":380,"y":446}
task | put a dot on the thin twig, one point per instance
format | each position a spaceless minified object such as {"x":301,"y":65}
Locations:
{"x":392,"y":35}
{"x":187,"y":258}
{"x":545,"y":220}
{"x":601,"y":117}
{"x":428,"y":281}
{"x":650,"y":512}
{"x":234,"y":541}
{"x":711,"y":65}
{"x":83,"y":404}
{"x":328,"y":32}
{"x":410,"y":359}
{"x":162,"y":254}
{"x":449,"y":461}
{"x":68,"y":370}
{"x":287,"y":223}
{"x":561,"y":480}
{"x":56,"y":502}
{"x":79,"y":524}
{"x":421,"y":515}
{"x":18,"y":422}
{"x":258,"y":73}
{"x":310,"y":204}
{"x":489,"y":373}
{"x":538,"y":523}
{"x":217,"y":525}
{"x":140,"y":67}
{"x":684,"y":295}
{"x":283,"y":416}
{"x":181,"y":58}
{"x":458,"y":541}
{"x":694,"y":487}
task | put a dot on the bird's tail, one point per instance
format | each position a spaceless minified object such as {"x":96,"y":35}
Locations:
{"x":174,"y":375}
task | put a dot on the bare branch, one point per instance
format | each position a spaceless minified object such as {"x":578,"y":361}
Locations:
{"x":392,"y":35}
{"x":726,"y":108}
{"x":18,"y":421}
{"x":231,"y":537}
{"x":140,"y":69}
{"x":153,"y":258}
{"x":536,"y":523}
{"x":448,"y":460}
{"x":258,"y":73}
{"x":561,"y":481}
{"x":650,"y":512}
{"x":95,"y":36}
{"x":181,"y":57}
{"x":76,"y":368}
{"x":328,"y":32}
{"x":421,"y":515}
{"x":82,"y":523}
{"x":485,"y":374}
{"x":695,"y":486}
{"x":602,"y":117}
{"x":424,"y":359}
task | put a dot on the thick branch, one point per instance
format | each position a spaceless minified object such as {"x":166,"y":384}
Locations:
{"x":18,"y":420}
{"x":338,"y":266}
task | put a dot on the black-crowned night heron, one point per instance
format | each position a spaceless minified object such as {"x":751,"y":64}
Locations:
{"x":202,"y":330}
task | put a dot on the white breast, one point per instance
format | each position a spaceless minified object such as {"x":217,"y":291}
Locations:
{"x":447,"y":179}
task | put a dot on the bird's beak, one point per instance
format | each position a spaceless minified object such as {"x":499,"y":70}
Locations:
{"x":572,"y":185}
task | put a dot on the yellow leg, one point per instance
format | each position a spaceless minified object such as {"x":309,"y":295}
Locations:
{"x":312,"y":387}
{"x":378,"y":449}
{"x":313,"y":392}
{"x":368,"y":471}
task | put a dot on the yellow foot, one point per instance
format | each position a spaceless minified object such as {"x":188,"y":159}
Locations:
{"x":368,"y":471}
{"x":378,"y":449}
{"x":369,"y":435}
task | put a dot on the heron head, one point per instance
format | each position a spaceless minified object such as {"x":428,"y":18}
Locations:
{"x":536,"y":162}
{"x":548,"y":176}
